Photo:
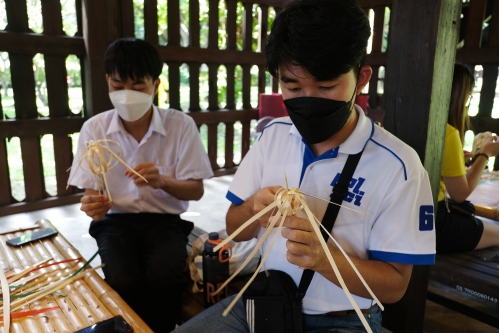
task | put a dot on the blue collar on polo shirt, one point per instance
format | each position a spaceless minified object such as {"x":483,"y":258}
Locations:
{"x":354,"y":144}
{"x":156,"y":123}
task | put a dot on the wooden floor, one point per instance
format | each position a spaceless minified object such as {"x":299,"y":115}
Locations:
{"x":209,"y":214}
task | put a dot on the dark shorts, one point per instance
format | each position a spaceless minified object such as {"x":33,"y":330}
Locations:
{"x":455,"y":232}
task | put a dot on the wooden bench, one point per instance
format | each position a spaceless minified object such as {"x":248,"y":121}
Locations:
{"x":467,"y":283}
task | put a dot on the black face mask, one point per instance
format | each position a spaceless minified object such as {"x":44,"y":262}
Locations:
{"x":318,"y":119}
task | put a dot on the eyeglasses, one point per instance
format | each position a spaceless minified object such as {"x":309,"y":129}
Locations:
{"x":469,"y":100}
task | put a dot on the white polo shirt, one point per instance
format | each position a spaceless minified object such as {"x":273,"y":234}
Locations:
{"x":172,"y":143}
{"x":389,"y":184}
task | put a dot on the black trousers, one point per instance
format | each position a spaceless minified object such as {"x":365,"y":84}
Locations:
{"x":145,"y":256}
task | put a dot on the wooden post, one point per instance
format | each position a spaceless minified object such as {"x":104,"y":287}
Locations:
{"x":101,"y":26}
{"x":419,"y":72}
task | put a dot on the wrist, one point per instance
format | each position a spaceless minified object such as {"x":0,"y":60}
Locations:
{"x":481,"y":156}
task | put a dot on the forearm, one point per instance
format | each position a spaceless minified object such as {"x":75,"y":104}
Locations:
{"x":189,"y":189}
{"x":388,"y":281}
{"x":236,"y":216}
{"x":474,"y":173}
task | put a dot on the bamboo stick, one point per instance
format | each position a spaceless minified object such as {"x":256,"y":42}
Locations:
{"x":86,"y":312}
{"x":12,"y":261}
{"x":93,"y":302}
{"x":29,"y":323}
{"x":71,"y":312}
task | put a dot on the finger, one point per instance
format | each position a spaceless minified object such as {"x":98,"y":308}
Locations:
{"x":298,"y":236}
{"x":295,"y":222}
{"x":94,"y":198}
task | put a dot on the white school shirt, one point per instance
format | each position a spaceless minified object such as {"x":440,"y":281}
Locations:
{"x":389,"y":184}
{"x":172,"y":143}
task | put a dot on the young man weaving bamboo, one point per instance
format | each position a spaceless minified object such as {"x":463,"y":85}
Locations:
{"x":141,"y":237}
{"x":316,"y":48}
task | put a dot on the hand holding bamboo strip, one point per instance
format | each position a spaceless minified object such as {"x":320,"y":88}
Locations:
{"x":288,"y":202}
{"x":99,"y":164}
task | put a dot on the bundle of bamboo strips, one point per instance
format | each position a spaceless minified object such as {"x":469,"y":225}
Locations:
{"x":67,"y":302}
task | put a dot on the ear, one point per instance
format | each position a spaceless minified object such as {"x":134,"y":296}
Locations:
{"x":157,"y":84}
{"x":365,"y":73}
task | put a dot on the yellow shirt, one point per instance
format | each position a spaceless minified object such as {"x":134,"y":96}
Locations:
{"x":453,"y":158}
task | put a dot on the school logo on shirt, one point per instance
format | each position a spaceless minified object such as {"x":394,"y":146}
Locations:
{"x":354,"y":194}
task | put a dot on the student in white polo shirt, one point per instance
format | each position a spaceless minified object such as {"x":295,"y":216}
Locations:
{"x":316,"y":49}
{"x":141,"y":237}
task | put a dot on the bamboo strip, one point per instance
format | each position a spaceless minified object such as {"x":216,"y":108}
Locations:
{"x":12,"y":261}
{"x":17,"y":326}
{"x":86,"y":312}
{"x":71,"y":312}
{"x":98,"y":286}
{"x":117,"y":306}
{"x":93,"y":302}
{"x":53,"y":320}
{"x":19,"y":253}
{"x":109,"y":298}
{"x":29,"y":323}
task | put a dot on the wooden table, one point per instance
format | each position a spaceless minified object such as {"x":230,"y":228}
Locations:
{"x":485,"y":196}
{"x":82,"y":303}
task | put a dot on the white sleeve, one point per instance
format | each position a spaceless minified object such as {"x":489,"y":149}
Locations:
{"x":192,"y":161}
{"x":404,"y":228}
{"x":80,"y":174}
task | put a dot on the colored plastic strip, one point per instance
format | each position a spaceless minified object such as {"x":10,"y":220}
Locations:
{"x":57,"y":263}
{"x":17,"y":315}
{"x":85,"y":265}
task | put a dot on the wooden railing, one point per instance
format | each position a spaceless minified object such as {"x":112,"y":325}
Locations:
{"x":101,"y":22}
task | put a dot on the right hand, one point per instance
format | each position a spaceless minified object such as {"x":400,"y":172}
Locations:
{"x":95,"y":206}
{"x":262,"y":199}
{"x":490,"y":146}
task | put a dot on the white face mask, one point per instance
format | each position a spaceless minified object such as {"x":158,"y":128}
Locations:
{"x":130,"y":104}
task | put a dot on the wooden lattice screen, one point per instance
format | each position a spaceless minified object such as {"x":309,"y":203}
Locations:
{"x":102,"y":21}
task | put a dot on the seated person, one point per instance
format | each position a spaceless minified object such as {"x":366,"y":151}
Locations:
{"x":316,"y":49}
{"x":141,"y":237}
{"x":456,"y":232}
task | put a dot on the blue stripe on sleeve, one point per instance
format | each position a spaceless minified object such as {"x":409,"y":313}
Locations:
{"x":403,"y":258}
{"x":234,"y":199}
{"x":400,"y":160}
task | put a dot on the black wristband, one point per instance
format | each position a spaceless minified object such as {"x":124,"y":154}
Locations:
{"x":481,"y":154}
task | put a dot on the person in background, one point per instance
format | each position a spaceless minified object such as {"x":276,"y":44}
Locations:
{"x":456,"y":232}
{"x":141,"y":237}
{"x":316,"y":49}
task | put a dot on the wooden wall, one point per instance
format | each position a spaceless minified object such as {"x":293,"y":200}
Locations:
{"x":102,"y":21}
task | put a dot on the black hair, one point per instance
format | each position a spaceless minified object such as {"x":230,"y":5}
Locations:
{"x":132,"y":58}
{"x":327,"y":38}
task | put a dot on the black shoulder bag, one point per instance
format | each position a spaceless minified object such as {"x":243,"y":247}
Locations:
{"x":273,"y":302}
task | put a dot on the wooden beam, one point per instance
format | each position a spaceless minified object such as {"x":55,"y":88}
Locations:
{"x":29,"y":43}
{"x":174,"y":26}
{"x":213,"y":24}
{"x":223,"y":116}
{"x":95,"y":17}
{"x":231,"y":24}
{"x":195,"y":54}
{"x":490,"y":75}
{"x":474,"y":24}
{"x":150,"y":21}
{"x":422,"y":58}
{"x":24,"y":207}
{"x":5,"y":189}
{"x":271,"y":3}
{"x":478,"y":56}
{"x":194,"y":23}
{"x":41,"y":126}
{"x":374,"y":3}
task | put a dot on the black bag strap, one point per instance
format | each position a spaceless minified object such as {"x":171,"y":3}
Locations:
{"x":339,"y":192}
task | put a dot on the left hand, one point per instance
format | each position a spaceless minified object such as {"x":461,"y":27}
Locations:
{"x":304,"y":248}
{"x":150,"y":172}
